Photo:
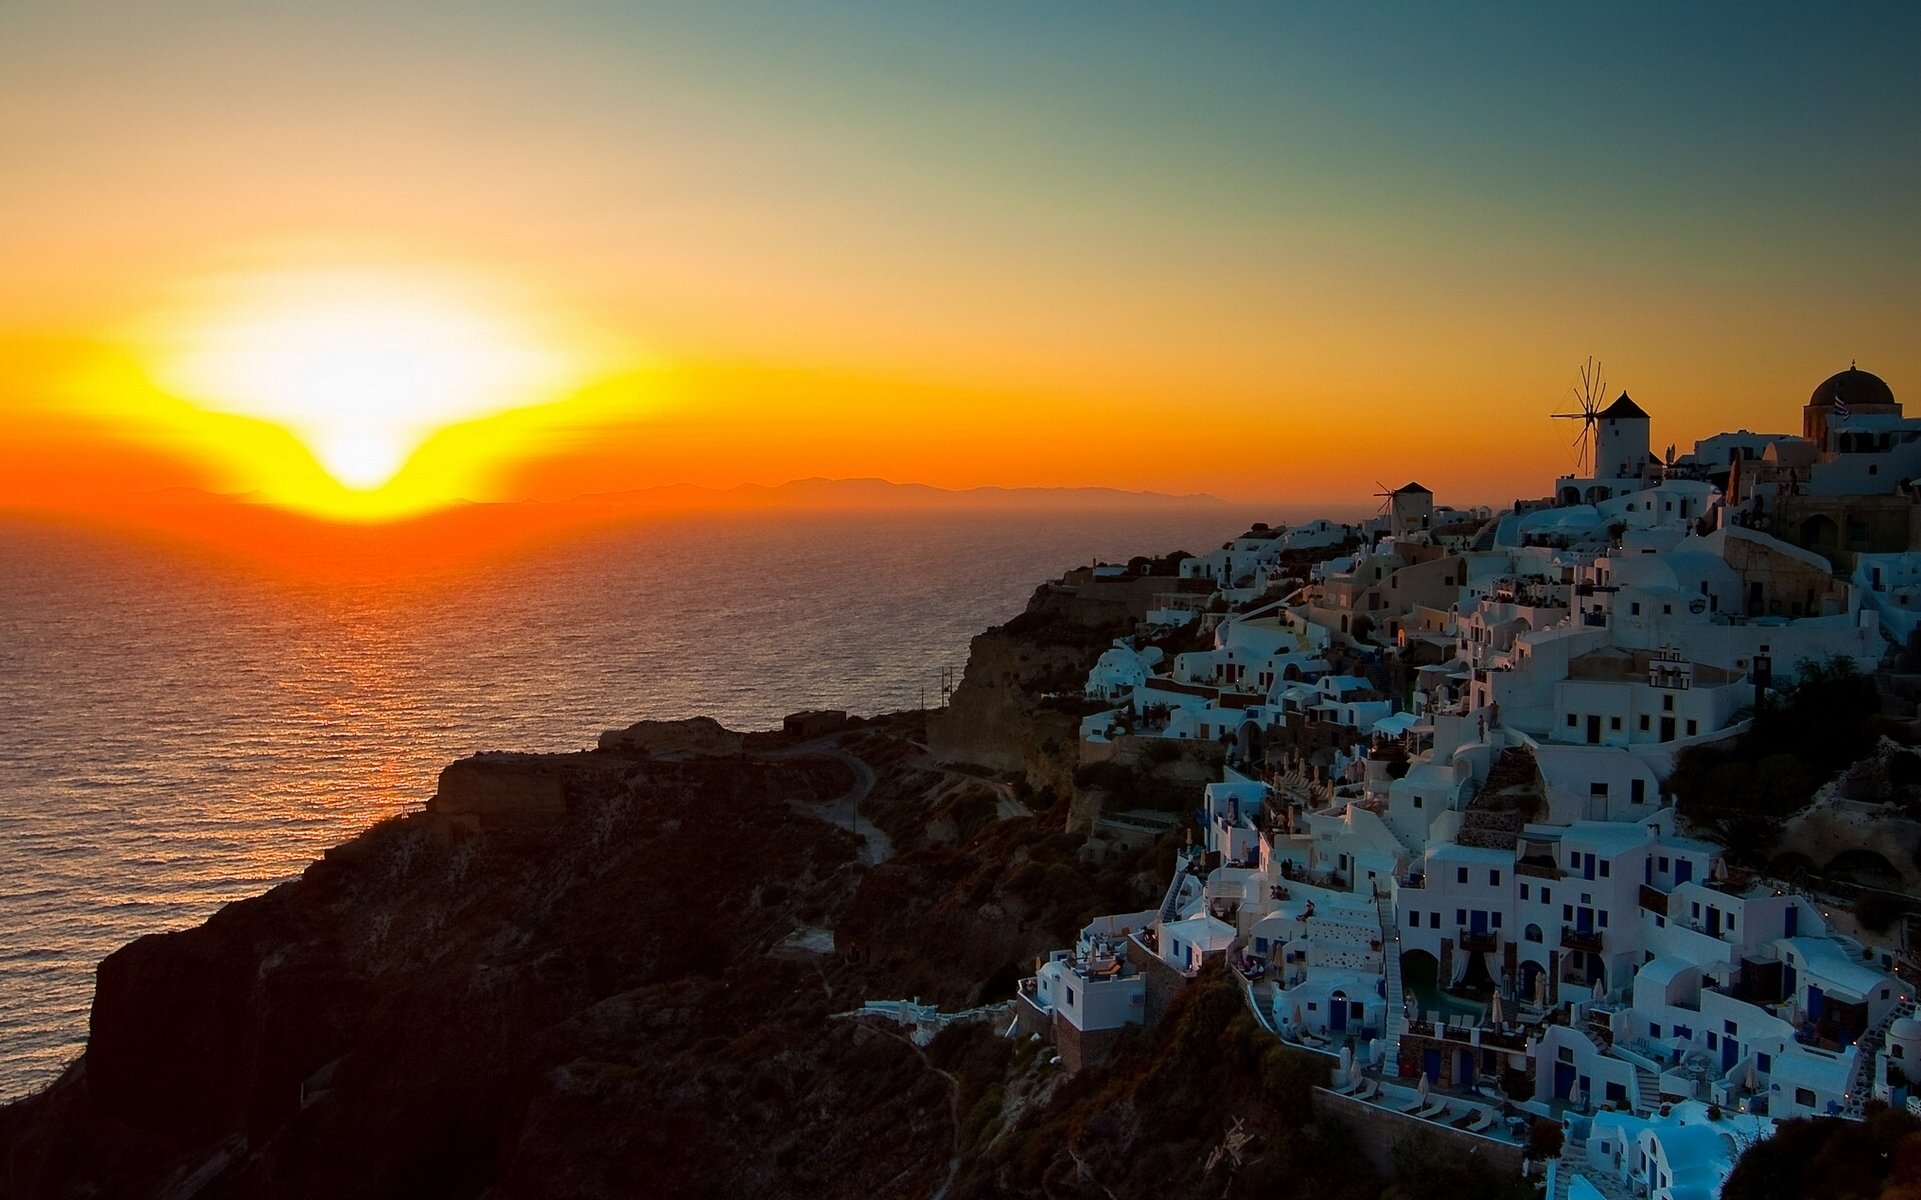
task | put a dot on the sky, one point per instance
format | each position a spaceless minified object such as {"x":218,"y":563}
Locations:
{"x":364,"y":259}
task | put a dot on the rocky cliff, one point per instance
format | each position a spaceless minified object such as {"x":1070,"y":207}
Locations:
{"x":607,"y":973}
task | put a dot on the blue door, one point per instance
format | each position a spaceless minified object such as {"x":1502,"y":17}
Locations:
{"x":1584,"y":920}
{"x":1431,"y":1063}
{"x":1817,"y":1000}
{"x":1683,"y":870}
{"x":1563,"y":1080}
{"x":1730,"y":1054}
{"x":1464,"y":1071}
{"x":1337,"y":1013}
{"x":1477,"y":921}
{"x":1794,"y":921}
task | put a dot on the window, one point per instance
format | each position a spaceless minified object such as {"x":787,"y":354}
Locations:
{"x":1804,"y":1097}
{"x":1729,"y":1027}
{"x":1417,"y":802}
{"x":1604,"y":868}
{"x":1764,"y":1063}
{"x":1571,"y":722}
{"x":1694,"y":727}
{"x":1598,"y":789}
{"x":1667,"y":704}
{"x":1547,"y":896}
{"x":1614,"y":722}
{"x":1662,"y":862}
{"x":1667,"y":610}
{"x":1460,"y":916}
{"x":1644,"y":722}
{"x":1434,"y":919}
{"x":1413,"y":920}
{"x":1654,"y":1030}
{"x":1494,"y":879}
{"x":1638,"y":790}
{"x":1495,"y":918}
{"x":1567,"y":912}
{"x":1460,"y":874}
{"x":1634,"y":609}
{"x":1602,"y":917}
{"x":1070,"y":994}
{"x":1524,"y":891}
{"x":1531,"y":934}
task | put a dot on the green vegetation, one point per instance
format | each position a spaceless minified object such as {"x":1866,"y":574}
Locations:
{"x":1740,"y":789}
{"x":1147,"y":1123}
{"x":1827,"y":1158}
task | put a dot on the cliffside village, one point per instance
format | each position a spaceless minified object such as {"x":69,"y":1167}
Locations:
{"x":1469,"y":888}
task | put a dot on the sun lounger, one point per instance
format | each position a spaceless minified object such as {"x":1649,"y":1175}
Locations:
{"x":1434,"y":1111}
{"x":1483,"y":1119}
{"x":1370,"y":1092}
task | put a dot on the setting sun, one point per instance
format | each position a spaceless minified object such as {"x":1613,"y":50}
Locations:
{"x":363,"y":367}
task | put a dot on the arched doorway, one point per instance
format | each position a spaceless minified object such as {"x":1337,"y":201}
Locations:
{"x":1820,"y":532}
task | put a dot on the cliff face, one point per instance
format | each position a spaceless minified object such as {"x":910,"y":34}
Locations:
{"x":601,"y":974}
{"x":565,"y":977}
{"x":1000,"y":718}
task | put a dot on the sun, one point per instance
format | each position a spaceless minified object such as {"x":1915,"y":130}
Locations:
{"x":362,"y":366}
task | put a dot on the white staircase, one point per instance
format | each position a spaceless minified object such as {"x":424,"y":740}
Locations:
{"x":1647,"y":1091}
{"x":1396,"y":1024}
{"x":1861,"y":1083}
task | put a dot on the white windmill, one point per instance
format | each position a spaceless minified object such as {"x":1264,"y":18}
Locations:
{"x":1587,"y":395}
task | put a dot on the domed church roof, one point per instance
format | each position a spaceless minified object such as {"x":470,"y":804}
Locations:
{"x":1853,"y":385}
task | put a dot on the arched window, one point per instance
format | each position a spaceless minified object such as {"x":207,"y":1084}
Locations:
{"x":1531,"y":934}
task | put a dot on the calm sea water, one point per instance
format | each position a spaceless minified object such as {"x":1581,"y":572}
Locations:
{"x":176,"y":734}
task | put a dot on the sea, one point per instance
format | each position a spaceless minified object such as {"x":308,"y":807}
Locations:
{"x":178,"y":731}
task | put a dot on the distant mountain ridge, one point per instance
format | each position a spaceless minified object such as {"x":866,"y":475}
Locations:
{"x":821,"y":492}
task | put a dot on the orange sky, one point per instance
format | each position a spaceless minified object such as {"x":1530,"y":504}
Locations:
{"x":1271,"y":260}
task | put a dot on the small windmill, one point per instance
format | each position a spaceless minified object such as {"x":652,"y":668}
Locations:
{"x":1588,"y":394}
{"x":1387,"y":498}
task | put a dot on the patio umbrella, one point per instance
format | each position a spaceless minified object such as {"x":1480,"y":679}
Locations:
{"x":1600,"y":989}
{"x":1494,"y":1014}
{"x":1300,"y":1020}
{"x":1754,"y":1080}
{"x":1346,"y":1072}
{"x":1420,"y":1089}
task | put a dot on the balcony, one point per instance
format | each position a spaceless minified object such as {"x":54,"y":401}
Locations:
{"x":1654,"y":900}
{"x":1481,"y":941}
{"x":1537,"y":870}
{"x":1577,"y":939}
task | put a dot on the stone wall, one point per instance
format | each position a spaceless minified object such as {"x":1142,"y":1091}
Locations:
{"x":1377,"y":1131}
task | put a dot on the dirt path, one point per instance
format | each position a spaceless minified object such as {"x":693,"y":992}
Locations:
{"x":876,"y":846}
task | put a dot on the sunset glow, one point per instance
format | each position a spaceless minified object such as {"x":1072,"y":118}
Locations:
{"x":371,"y":266}
{"x":362,"y":368}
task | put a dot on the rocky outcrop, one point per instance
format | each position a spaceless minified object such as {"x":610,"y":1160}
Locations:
{"x":595,"y":974}
{"x":694,"y":737}
{"x":1013,"y":711}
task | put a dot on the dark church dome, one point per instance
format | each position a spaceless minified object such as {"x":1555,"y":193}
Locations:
{"x":1855,"y":386}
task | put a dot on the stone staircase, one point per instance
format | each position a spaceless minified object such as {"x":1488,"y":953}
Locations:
{"x":1396,"y":1023}
{"x":1573,"y":1158}
{"x":1647,"y":1091}
{"x":1861,"y":1083}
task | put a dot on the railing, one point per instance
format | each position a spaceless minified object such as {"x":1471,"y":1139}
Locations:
{"x":1654,"y":900}
{"x":1581,"y":939}
{"x":1479,"y":941}
{"x":1537,"y":870}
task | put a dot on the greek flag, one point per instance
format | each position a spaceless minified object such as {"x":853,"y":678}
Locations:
{"x":1841,"y":410}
